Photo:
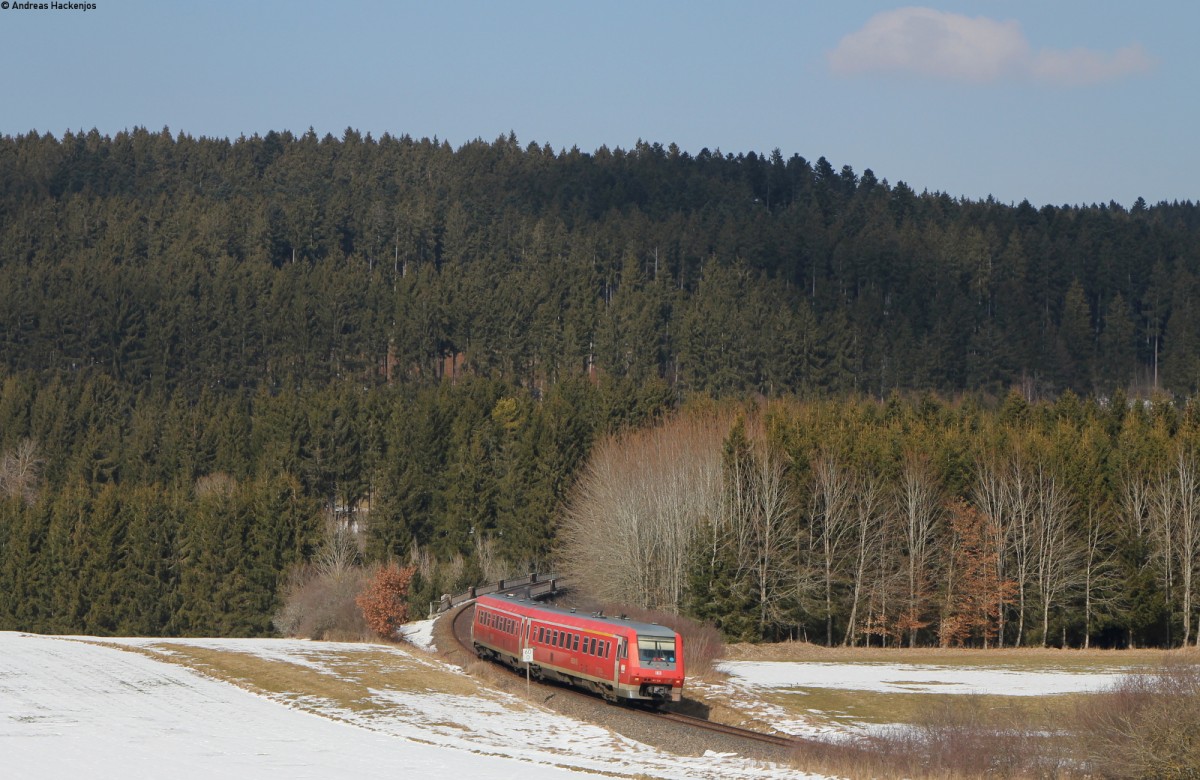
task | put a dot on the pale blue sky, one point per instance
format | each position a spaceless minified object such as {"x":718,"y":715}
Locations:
{"x":1057,"y":101}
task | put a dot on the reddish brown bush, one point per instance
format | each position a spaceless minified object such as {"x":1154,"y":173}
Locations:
{"x":384,"y":602}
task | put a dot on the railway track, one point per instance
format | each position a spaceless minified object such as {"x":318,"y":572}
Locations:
{"x":461,"y":629}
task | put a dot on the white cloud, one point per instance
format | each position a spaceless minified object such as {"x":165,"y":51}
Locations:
{"x":962,"y":48}
{"x":1083,"y":66}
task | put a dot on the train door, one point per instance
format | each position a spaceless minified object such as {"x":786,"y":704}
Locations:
{"x":619,"y":660}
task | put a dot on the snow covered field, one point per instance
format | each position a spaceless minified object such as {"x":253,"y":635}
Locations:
{"x":790,"y":684}
{"x":73,"y":708}
{"x":118,"y":708}
{"x":918,"y":678}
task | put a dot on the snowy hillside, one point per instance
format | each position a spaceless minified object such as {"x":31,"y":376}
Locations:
{"x":74,"y":708}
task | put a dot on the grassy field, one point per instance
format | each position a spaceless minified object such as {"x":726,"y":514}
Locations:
{"x":343,"y":678}
{"x":1023,"y":657}
{"x":834,"y":708}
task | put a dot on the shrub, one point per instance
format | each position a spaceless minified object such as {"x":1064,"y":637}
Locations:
{"x":384,"y":602}
{"x":317,"y":605}
{"x":1148,"y":725}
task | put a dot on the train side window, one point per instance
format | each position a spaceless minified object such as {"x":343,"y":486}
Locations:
{"x":575,"y":643}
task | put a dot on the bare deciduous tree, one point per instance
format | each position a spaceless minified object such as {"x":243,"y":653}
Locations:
{"x":832,"y":522}
{"x":21,"y":471}
{"x":636,"y":510}
{"x":1175,"y":531}
{"x":766,"y":553}
{"x":1054,"y":550}
{"x":919,"y":507}
{"x":867,"y":515}
{"x":990,"y":496}
{"x":337,"y":559}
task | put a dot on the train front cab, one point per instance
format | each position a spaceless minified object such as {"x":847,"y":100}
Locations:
{"x":652,"y":667}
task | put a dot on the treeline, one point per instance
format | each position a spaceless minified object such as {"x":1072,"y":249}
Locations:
{"x":212,"y":351}
{"x":907,"y":522}
{"x":172,"y":262}
{"x":127,"y":512}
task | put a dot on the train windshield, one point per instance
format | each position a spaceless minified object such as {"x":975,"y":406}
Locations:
{"x":656,"y":650}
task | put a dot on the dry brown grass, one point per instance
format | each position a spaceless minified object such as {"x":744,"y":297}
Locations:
{"x":995,"y":736}
{"x":1147,"y":726}
{"x":352,"y":674}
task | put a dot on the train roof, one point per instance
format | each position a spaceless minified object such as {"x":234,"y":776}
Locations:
{"x":649,"y":629}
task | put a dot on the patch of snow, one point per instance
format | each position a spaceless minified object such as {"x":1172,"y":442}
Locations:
{"x":419,"y":634}
{"x":71,"y":709}
{"x":749,"y":679}
{"x":917,"y":678}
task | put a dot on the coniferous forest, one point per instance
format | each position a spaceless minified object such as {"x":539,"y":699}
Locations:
{"x":210,"y":349}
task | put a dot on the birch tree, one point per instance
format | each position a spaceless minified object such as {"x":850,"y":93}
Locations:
{"x":1175,"y":520}
{"x":866,"y":530}
{"x":832,"y":521}
{"x":919,"y":504}
{"x":772,"y":531}
{"x":1053,"y":548}
{"x":990,"y":497}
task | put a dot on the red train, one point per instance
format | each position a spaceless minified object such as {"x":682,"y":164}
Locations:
{"x":622,"y":660}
